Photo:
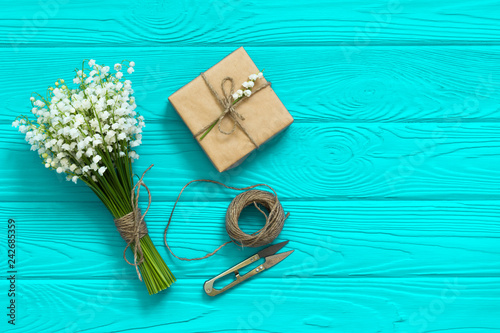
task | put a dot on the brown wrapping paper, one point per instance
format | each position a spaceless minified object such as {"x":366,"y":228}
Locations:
{"x":265,"y":115}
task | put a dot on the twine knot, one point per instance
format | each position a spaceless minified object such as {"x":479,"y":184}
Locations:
{"x":132,"y":226}
{"x":228,"y":105}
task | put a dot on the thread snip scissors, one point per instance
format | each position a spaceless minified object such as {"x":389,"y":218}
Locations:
{"x":269,"y":253}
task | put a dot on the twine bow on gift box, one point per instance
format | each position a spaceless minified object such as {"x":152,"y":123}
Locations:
{"x":132,"y":226}
{"x":228,"y":105}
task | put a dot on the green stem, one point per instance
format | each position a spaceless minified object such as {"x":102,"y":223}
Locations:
{"x":114,"y":187}
{"x":154,"y":271}
{"x":209,"y":129}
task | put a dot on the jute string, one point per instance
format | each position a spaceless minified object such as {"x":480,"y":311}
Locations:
{"x":228,"y":107}
{"x":275,"y":218}
{"x":132,"y":226}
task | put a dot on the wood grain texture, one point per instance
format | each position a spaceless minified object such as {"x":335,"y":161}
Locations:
{"x":210,"y":23}
{"x":429,"y":161}
{"x":342,"y":239}
{"x":366,"y":305}
{"x":317,"y":84}
{"x":390,"y":171}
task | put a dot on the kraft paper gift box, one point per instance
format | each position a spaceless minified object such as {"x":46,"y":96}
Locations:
{"x":263,"y":113}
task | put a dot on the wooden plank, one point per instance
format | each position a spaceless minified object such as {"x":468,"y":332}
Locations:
{"x":317,"y":84}
{"x":367,"y":305}
{"x":78,"y":240}
{"x":390,"y":171}
{"x":223,"y":22}
{"x":420,"y":161}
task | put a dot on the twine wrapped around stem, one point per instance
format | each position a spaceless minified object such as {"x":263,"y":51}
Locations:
{"x":228,"y":105}
{"x":132,"y":226}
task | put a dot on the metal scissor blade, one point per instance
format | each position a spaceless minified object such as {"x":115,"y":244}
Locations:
{"x":270,"y":250}
{"x":273,"y":260}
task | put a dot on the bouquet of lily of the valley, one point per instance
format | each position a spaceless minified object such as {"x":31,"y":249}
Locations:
{"x":88,"y":133}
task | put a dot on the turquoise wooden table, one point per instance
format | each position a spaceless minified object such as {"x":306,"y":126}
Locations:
{"x":391,"y":170}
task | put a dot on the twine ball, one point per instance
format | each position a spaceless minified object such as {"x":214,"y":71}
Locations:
{"x":274,"y":220}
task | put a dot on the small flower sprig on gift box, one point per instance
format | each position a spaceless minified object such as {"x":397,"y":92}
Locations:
{"x":88,"y":133}
{"x":245,"y":92}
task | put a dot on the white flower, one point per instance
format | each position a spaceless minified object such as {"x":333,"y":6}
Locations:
{"x":81,"y":144}
{"x":236,"y":96}
{"x":73,"y":133}
{"x":253,"y":77}
{"x":247,"y":93}
{"x":102,"y":170}
{"x":245,"y":84}
{"x":86,"y":104}
{"x":131,"y":64}
{"x":260,"y":75}
{"x":239,"y":92}
{"x":79,"y":119}
{"x":104,"y":115}
{"x":133,"y":155}
{"x":96,"y":142}
{"x":75,"y":127}
{"x":250,"y":84}
{"x":94,"y":123}
{"x":111,"y":132}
